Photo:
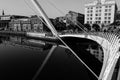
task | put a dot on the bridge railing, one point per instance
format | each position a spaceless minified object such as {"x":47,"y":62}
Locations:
{"x":100,"y":33}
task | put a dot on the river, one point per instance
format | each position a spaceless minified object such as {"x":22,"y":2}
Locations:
{"x":25,"y":59}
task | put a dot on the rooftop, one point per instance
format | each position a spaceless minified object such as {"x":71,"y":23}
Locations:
{"x":100,"y":2}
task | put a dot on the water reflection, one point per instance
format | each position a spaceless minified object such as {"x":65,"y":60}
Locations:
{"x":97,"y":51}
{"x":88,"y":51}
{"x":44,"y":62}
{"x":20,"y":57}
{"x":29,"y":59}
{"x":27,"y":43}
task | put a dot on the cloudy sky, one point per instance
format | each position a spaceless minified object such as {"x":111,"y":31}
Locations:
{"x":53,"y":8}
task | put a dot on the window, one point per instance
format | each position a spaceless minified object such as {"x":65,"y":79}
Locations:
{"x":90,"y":14}
{"x":108,"y":21}
{"x":109,"y":14}
{"x":106,"y":6}
{"x":109,"y":17}
{"x":95,"y":21}
{"x":98,"y":21}
{"x":99,"y":18}
{"x":106,"y":10}
{"x":87,"y":14}
{"x":96,"y":14}
{"x":109,"y":9}
{"x":91,"y":11}
{"x":99,"y":10}
{"x":90,"y":18}
{"x":105,"y":14}
{"x":105,"y":17}
{"x":99,"y":14}
{"x":88,"y":22}
{"x":96,"y":18}
{"x":109,"y":6}
{"x":105,"y":21}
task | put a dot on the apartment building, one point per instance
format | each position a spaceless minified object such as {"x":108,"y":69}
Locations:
{"x":100,"y":12}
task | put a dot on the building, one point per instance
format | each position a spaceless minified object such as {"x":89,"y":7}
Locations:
{"x":118,"y":16}
{"x":36,"y":23}
{"x":26,"y":25}
{"x":30,"y":24}
{"x":20,"y":24}
{"x":100,"y":12}
{"x":71,"y":18}
{"x":5,"y":19}
{"x":74,"y":17}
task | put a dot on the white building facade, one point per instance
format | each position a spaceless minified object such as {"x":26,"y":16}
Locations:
{"x":100,"y":12}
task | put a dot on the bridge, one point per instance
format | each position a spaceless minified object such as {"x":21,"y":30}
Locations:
{"x":108,"y":41}
{"x":110,"y":44}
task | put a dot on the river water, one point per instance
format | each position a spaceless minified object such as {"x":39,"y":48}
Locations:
{"x":25,"y":59}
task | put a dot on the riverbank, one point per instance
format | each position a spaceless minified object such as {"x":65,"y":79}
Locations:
{"x":33,"y":35}
{"x":14,"y":33}
{"x":41,"y":36}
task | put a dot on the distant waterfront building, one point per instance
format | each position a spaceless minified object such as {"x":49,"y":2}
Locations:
{"x":72,"y":18}
{"x":100,"y":12}
{"x":36,"y":23}
{"x":26,"y":25}
{"x":30,"y":24}
{"x":19,"y":24}
{"x":5,"y":19}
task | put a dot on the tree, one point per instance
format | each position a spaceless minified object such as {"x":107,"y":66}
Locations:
{"x":96,"y":27}
{"x":87,"y":27}
{"x":59,"y":25}
{"x":115,"y":23}
{"x":45,"y":28}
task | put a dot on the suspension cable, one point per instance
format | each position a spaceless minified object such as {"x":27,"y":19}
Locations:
{"x":78,"y":25}
{"x":56,"y":7}
{"x":71,"y":49}
{"x":56,"y":34}
{"x":35,"y":12}
{"x":60,"y":38}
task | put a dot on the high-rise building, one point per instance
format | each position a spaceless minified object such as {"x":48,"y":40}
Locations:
{"x":100,"y":12}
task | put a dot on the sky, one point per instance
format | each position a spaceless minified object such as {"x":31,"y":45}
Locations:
{"x":53,"y":8}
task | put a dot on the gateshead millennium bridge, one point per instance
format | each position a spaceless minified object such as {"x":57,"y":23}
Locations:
{"x":108,"y":41}
{"x":110,"y":44}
